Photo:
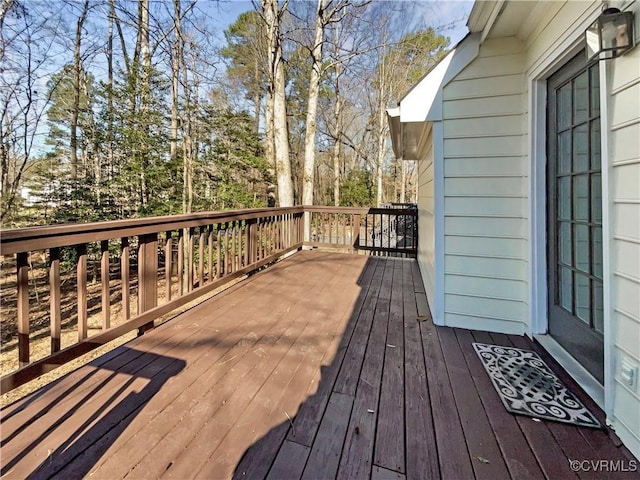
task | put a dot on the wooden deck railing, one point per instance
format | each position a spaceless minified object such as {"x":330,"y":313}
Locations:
{"x":381,"y":231}
{"x":191,"y":254}
{"x":106,"y":279}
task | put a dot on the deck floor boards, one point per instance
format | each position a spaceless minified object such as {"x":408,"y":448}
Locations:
{"x":324,"y":365}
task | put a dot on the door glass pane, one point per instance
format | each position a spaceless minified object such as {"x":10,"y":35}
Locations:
{"x":564,"y":242}
{"x":564,"y":107}
{"x":565,"y":288}
{"x":596,"y":198}
{"x":564,"y":152}
{"x":581,"y":148}
{"x":598,"y":307}
{"x":580,"y":98}
{"x":581,"y":197}
{"x":594,"y":75}
{"x":596,"y":255}
{"x":564,"y":198}
{"x":582,"y":297}
{"x":595,"y":145}
{"x":581,"y":247}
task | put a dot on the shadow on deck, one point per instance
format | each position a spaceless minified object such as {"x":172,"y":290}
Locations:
{"x":314,"y":368}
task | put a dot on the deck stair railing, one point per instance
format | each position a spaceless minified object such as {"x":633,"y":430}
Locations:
{"x":83,"y":285}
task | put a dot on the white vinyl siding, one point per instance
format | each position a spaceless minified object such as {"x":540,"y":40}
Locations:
{"x":485,"y":200}
{"x":561,"y":20}
{"x":426,"y":226}
{"x":624,"y":190}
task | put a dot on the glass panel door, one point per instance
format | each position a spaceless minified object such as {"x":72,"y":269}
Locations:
{"x":574,"y":200}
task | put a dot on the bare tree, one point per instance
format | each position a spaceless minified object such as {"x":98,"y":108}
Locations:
{"x":27,"y":37}
{"x":276,"y":114}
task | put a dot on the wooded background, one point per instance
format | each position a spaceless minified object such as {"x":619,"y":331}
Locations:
{"x":119,"y":108}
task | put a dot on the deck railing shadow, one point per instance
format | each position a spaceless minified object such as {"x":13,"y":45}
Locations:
{"x":117,"y":394}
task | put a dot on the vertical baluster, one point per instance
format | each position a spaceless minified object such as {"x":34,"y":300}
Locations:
{"x":210,"y":252}
{"x":201,"y":257}
{"x":334,"y":223}
{"x":22,"y":266}
{"x":54,"y":296}
{"x":234,"y":247}
{"x":218,"y":252}
{"x":168,"y":264}
{"x":82,"y":291}
{"x":190,"y":258}
{"x":147,"y":276}
{"x":124,"y":278}
{"x":247,"y":242}
{"x":253,"y":242}
{"x":180,"y":262}
{"x":261,"y":239}
{"x":366,"y":230}
{"x":106,"y":286}
{"x":388,"y":231}
{"x":225,"y":261}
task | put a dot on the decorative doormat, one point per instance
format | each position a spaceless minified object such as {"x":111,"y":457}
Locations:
{"x":527,"y":386}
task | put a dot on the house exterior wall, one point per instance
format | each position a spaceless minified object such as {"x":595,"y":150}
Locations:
{"x":622,"y":168}
{"x":624,"y":239}
{"x":426,"y":225}
{"x":485,"y":215}
{"x":487,"y":159}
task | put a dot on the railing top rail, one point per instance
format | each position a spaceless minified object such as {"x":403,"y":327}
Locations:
{"x":39,"y":238}
{"x":360,"y":210}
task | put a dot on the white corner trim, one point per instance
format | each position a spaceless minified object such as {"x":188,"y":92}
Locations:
{"x":580,"y":374}
{"x":438,"y":220}
{"x":537,"y":208}
{"x":607,"y":206}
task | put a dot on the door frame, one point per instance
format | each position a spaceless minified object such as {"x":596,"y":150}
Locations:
{"x":536,"y":80}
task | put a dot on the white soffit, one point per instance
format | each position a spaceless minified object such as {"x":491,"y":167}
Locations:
{"x":424,"y":101}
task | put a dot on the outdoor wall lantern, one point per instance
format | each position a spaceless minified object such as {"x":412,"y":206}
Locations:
{"x":611,"y":35}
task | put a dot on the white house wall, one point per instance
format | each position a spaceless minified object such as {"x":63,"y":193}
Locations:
{"x":624,"y":188}
{"x":426,"y":228}
{"x":485,"y":208}
{"x":563,"y":24}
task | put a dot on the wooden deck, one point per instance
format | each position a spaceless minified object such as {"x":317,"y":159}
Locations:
{"x":314,"y":368}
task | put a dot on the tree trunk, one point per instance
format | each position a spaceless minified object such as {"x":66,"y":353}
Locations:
{"x":277,"y":104}
{"x":312,"y":109}
{"x":75,"y":110}
{"x":337,"y":146}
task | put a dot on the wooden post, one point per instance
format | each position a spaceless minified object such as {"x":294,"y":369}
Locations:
{"x":54,"y":295}
{"x":124,"y":278}
{"x":106,"y":289}
{"x":82,"y":292}
{"x":22,"y":265}
{"x":147,"y":276}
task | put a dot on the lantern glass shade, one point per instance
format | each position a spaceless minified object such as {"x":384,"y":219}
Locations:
{"x":610,"y":35}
